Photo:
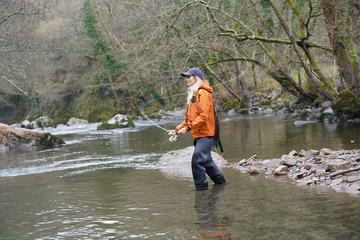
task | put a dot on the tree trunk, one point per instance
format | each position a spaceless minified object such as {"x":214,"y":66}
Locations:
{"x":339,"y":21}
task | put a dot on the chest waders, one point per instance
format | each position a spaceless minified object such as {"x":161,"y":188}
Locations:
{"x":202,"y":164}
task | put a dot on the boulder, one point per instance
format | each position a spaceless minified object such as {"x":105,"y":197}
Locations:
{"x":41,"y":122}
{"x":281,"y":170}
{"x":118,"y":121}
{"x":21,"y":137}
{"x":253,"y":171}
{"x":77,"y":121}
{"x":178,"y":163}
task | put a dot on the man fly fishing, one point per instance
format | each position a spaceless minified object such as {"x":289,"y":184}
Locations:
{"x":200,"y":121}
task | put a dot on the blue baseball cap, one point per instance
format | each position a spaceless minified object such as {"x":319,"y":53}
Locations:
{"x":193,"y":71}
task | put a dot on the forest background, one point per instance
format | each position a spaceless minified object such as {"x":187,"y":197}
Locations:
{"x":92,"y":59}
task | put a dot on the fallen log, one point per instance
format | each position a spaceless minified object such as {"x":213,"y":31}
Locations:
{"x":334,"y":174}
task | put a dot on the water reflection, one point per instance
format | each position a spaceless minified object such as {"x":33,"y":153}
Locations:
{"x":212,"y":224}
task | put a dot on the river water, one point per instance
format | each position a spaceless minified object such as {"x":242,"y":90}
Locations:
{"x":107,"y":185}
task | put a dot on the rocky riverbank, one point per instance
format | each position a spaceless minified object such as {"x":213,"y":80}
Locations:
{"x":338,"y":170}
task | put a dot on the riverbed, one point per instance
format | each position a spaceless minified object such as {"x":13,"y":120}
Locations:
{"x":107,"y":185}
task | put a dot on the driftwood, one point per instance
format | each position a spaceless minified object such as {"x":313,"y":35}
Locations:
{"x":357,"y":168}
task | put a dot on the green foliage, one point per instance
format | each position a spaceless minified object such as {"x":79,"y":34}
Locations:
{"x":101,"y":47}
{"x":231,"y":105}
{"x":157,"y":96}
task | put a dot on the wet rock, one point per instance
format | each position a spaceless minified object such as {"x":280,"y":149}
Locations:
{"x":351,"y":179}
{"x":288,"y":161}
{"x":339,"y":170}
{"x":118,"y":121}
{"x":41,"y":122}
{"x":325,"y":151}
{"x":281,"y":170}
{"x":178,"y":163}
{"x":77,"y":121}
{"x":320,"y":172}
{"x":302,"y":153}
{"x":26,"y":138}
{"x":312,"y":153}
{"x":253,"y":171}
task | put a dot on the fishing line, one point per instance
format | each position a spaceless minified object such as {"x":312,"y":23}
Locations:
{"x":172,"y":138}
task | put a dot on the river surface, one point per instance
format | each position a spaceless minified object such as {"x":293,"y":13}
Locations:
{"x":107,"y":185}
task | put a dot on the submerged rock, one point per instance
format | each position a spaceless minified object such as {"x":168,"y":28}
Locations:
{"x":20,"y":137}
{"x":178,"y":163}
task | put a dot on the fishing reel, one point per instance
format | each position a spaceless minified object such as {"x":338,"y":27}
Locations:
{"x":173,"y":138}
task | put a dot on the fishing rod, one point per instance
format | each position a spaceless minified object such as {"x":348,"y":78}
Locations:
{"x":172,"y":138}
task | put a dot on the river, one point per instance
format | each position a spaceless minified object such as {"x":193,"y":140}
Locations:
{"x":107,"y":185}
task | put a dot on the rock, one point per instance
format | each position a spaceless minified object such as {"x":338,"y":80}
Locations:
{"x":178,"y":163}
{"x":308,"y":167}
{"x":313,"y":167}
{"x":21,"y":137}
{"x":302,"y":173}
{"x":43,"y":122}
{"x":77,"y":121}
{"x":337,"y":164}
{"x":351,"y":179}
{"x":302,"y":153}
{"x":325,"y":151}
{"x":281,"y":170}
{"x":242,"y":162}
{"x":288,"y":161}
{"x":26,"y":124}
{"x":320,"y":172}
{"x":329,"y":111}
{"x":336,"y":182}
{"x":293,"y":153}
{"x":312,"y":153}
{"x":118,"y":121}
{"x":253,"y":171}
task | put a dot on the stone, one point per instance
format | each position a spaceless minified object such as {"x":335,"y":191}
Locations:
{"x":293,"y":153}
{"x":312,"y":153}
{"x":336,"y":182}
{"x":43,"y":122}
{"x":77,"y":121}
{"x":302,"y":153}
{"x":242,"y":162}
{"x":280,"y":170}
{"x":325,"y":151}
{"x":351,"y":179}
{"x":288,"y":161}
{"x":329,"y":111}
{"x":320,"y":172}
{"x":118,"y":121}
{"x":253,"y":171}
{"x":307,"y":167}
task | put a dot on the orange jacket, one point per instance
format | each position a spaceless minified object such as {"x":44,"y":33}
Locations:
{"x":199,"y":115}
